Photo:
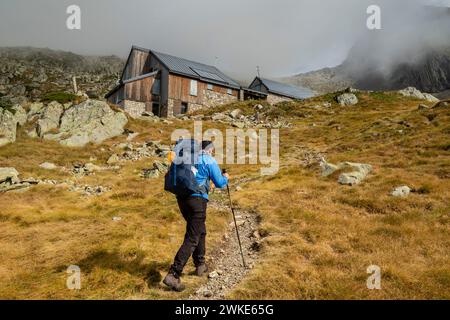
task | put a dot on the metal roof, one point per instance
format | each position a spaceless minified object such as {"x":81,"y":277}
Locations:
{"x":195,"y":70}
{"x":287,"y":90}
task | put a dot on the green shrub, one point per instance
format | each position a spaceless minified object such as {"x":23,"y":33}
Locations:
{"x":61,"y":97}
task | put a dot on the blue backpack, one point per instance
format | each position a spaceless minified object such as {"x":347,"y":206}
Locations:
{"x":180,"y":179}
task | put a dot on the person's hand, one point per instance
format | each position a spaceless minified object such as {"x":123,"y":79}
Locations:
{"x":226,"y":175}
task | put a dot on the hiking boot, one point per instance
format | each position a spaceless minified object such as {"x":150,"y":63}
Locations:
{"x":201,"y":270}
{"x":173,"y":282}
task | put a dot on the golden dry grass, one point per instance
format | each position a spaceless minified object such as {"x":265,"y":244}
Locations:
{"x":321,"y":236}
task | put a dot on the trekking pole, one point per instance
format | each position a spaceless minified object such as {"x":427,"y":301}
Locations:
{"x":235,"y":223}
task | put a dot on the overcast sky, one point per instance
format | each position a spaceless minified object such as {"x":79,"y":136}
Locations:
{"x":283,"y":37}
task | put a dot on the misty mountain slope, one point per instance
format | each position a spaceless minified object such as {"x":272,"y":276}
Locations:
{"x":32,"y":72}
{"x":430,"y":74}
{"x":403,"y":53}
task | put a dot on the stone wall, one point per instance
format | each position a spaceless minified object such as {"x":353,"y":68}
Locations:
{"x":274,"y":99}
{"x":214,"y":98}
{"x":210,"y":99}
{"x":170,"y":106}
{"x":134,"y":108}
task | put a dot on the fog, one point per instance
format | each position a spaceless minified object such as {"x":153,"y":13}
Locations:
{"x":283,"y":37}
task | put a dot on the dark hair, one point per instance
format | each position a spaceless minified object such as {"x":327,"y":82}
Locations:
{"x":207,"y":144}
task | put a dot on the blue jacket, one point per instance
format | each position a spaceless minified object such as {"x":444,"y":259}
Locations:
{"x":207,"y":170}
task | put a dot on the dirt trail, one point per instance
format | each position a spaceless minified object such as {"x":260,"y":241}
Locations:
{"x":226,"y":270}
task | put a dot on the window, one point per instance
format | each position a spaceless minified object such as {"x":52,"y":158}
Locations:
{"x":210,"y":86}
{"x":184,"y":108}
{"x":193,"y":90}
{"x":156,"y":87}
{"x":229,"y":91}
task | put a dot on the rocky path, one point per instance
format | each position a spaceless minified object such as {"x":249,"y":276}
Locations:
{"x":226,"y":269}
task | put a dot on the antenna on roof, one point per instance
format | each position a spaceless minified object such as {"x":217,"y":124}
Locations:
{"x":215,"y":61}
{"x":257,"y":71}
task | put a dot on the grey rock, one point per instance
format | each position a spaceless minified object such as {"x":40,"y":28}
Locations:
{"x":8,"y":127}
{"x":91,"y":121}
{"x":402,"y":191}
{"x":236,"y":113}
{"x":49,"y":119}
{"x":20,"y":114}
{"x":48,"y":166}
{"x":414,"y":93}
{"x":328,"y":168}
{"x":347,"y":99}
{"x":113,"y":159}
{"x":9,"y":175}
{"x":355,"y":177}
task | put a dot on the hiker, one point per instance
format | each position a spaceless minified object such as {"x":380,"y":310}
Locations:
{"x":193,"y":208}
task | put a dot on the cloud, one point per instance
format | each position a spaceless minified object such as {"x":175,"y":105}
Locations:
{"x":281,"y":36}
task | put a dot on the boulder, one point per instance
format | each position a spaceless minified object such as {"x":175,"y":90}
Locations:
{"x":9,"y":176}
{"x":347,"y":99}
{"x":414,"y":93}
{"x":35,"y":109}
{"x":355,"y":172}
{"x":8,"y":127}
{"x":91,"y":121}
{"x":359,"y":173}
{"x":328,"y":168}
{"x":402,"y":191}
{"x":49,"y":119}
{"x":20,"y":114}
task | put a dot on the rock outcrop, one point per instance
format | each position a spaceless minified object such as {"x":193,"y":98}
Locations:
{"x":414,"y":93}
{"x":91,"y":121}
{"x":8,"y":127}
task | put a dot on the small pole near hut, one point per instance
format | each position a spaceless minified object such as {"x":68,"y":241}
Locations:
{"x":75,"y":88}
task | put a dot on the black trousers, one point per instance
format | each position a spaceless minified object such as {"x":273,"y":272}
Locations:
{"x":193,"y":210}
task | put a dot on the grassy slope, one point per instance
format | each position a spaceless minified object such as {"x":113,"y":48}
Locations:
{"x":322,"y":236}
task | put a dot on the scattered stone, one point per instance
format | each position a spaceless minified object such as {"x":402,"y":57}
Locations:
{"x":131,"y":136}
{"x":213,"y":275}
{"x":402,"y":191}
{"x":117,"y":219}
{"x":158,"y":169}
{"x":423,"y":107}
{"x":347,"y":99}
{"x":236,"y":113}
{"x":113,"y":159}
{"x":48,"y":166}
